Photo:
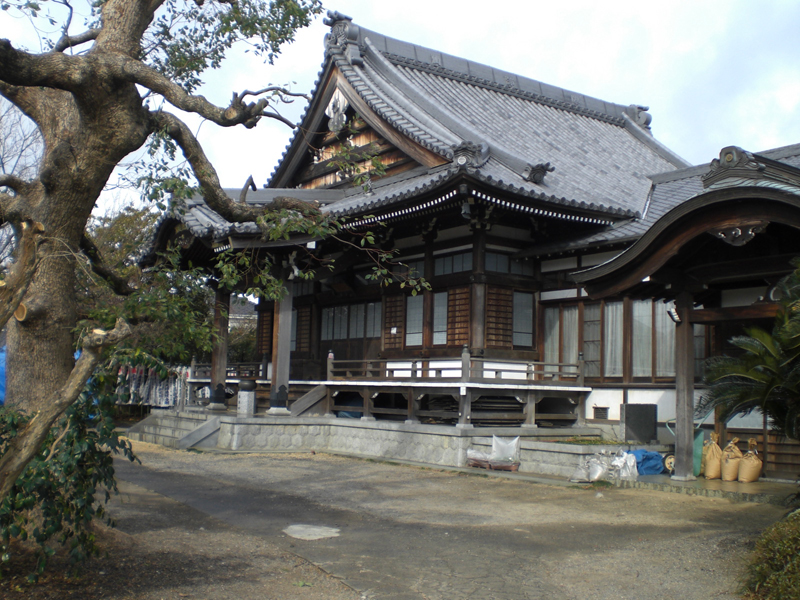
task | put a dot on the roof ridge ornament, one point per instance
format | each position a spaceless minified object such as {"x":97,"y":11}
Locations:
{"x":469,"y":154}
{"x":640,"y":116}
{"x":733,"y":161}
{"x":343,"y":37}
{"x":536,"y":173}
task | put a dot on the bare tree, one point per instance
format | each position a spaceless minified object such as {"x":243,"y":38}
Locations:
{"x":21,"y":149}
{"x":21,"y":143}
{"x":98,"y":94}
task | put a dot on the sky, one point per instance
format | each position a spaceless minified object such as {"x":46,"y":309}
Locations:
{"x":714,"y":73}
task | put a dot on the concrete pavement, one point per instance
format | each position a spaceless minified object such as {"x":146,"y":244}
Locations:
{"x":410,"y":533}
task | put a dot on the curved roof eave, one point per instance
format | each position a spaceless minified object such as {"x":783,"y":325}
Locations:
{"x":364,"y":203}
{"x":700,"y":214}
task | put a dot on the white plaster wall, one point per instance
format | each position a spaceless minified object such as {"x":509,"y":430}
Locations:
{"x":608,"y":398}
{"x":664,"y":399}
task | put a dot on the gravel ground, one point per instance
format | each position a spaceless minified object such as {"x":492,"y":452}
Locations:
{"x":162,"y":549}
{"x":407,"y":532}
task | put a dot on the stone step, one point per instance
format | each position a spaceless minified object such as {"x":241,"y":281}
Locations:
{"x":161,"y":440}
{"x":177,"y":423}
{"x":168,"y":428}
{"x":161,"y":430}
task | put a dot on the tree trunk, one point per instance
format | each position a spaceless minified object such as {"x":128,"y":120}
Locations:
{"x":28,"y":442}
{"x":82,"y":146}
{"x":40,"y":349}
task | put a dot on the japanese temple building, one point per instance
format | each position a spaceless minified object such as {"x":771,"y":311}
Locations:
{"x":576,"y":264}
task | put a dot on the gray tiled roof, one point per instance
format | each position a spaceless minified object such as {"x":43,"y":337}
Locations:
{"x":204,"y":223}
{"x":601,"y":157}
{"x":668,"y":190}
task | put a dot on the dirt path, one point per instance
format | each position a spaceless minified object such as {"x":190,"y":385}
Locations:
{"x":214,"y":526}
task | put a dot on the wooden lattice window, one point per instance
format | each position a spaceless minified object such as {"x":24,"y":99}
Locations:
{"x":303,"y":329}
{"x":499,"y":318}
{"x":458,"y":315}
{"x":394,"y":322}
{"x":264,"y":331}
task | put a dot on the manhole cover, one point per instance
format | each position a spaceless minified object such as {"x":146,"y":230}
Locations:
{"x":311,"y":532}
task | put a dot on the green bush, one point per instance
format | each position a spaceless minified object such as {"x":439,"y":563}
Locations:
{"x":65,"y":487}
{"x":774,"y":571}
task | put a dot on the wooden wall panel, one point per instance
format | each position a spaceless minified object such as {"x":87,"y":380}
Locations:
{"x":303,"y":329}
{"x":458,"y":312}
{"x":393,"y":317}
{"x":499,"y":317}
{"x":264,"y":332}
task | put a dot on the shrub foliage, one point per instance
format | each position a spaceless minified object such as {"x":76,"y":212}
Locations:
{"x":67,"y":485}
{"x":774,"y":571}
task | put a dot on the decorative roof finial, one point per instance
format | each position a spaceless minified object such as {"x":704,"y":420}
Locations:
{"x":470,"y":154}
{"x":536,"y":173}
{"x":732,"y":162}
{"x":343,"y":37}
{"x":640,"y":116}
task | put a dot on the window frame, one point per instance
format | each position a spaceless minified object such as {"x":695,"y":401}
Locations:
{"x":599,"y":372}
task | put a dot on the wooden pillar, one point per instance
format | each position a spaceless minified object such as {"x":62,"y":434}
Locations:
{"x":684,"y":388}
{"x":413,"y":406}
{"x":427,"y":295}
{"x":465,"y":393}
{"x":531,"y":399}
{"x":477,"y":333}
{"x":465,"y":409}
{"x":366,"y":398}
{"x":219,"y":349}
{"x":281,"y":342}
{"x":328,"y":390}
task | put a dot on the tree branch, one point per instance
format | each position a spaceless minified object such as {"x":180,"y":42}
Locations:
{"x":237,"y":113}
{"x":70,"y":41}
{"x":20,"y":186}
{"x":119,"y":285}
{"x":30,"y":101}
{"x":273,"y":115}
{"x":206,"y":175}
{"x":5,"y":201}
{"x":28,"y":442}
{"x":275,"y":88}
{"x":16,"y":284}
{"x":53,"y":69}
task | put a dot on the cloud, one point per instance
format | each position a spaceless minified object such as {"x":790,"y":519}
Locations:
{"x":714,"y":73}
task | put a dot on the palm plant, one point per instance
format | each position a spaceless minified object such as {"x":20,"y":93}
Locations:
{"x":766,"y":376}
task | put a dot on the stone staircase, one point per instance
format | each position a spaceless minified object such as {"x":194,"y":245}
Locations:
{"x":174,"y":429}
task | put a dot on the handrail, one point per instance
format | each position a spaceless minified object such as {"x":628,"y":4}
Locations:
{"x":244,"y":370}
{"x":463,"y":368}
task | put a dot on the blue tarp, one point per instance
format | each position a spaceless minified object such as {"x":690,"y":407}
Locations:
{"x":648,"y":462}
{"x":2,"y":375}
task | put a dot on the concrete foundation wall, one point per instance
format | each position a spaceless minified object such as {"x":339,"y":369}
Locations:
{"x":435,"y":445}
{"x":557,"y":459}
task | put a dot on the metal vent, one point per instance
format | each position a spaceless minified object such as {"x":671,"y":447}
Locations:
{"x":600,"y":412}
